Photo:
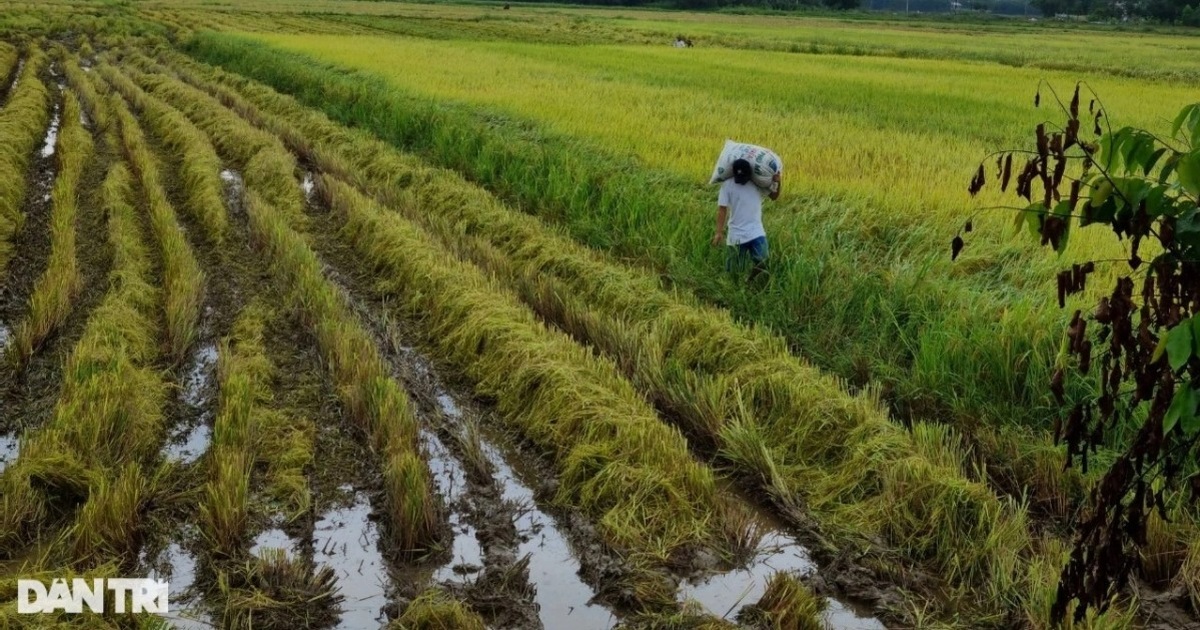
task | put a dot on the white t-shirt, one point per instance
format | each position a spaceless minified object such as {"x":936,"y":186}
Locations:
{"x":745,"y":211}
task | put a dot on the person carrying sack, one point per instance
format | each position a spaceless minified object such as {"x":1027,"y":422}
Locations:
{"x":739,"y":208}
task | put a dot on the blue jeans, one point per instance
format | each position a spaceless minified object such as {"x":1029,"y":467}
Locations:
{"x":755,"y":250}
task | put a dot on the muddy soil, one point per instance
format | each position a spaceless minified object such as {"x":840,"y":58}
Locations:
{"x":27,"y":397}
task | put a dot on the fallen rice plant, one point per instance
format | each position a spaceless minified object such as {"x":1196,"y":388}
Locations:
{"x":249,"y":437}
{"x":91,"y":100}
{"x":55,"y":291}
{"x":22,"y":121}
{"x":9,"y":57}
{"x":200,"y":167}
{"x":183,"y":281}
{"x":275,"y":592}
{"x":787,"y":603}
{"x":619,"y":464}
{"x":795,"y":430}
{"x":105,"y":428}
{"x":267,"y":166}
{"x":373,"y":399}
{"x":437,"y":610}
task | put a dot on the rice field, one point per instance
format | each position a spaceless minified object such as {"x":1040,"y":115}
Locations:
{"x":343,"y":314}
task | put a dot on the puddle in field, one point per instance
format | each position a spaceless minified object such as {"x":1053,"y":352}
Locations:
{"x":187,"y":444}
{"x":839,"y":616}
{"x":179,"y":569}
{"x":307,"y":185}
{"x":347,"y":541}
{"x":9,"y":448}
{"x":191,"y":446}
{"x":466,"y":555}
{"x":5,"y":337}
{"x":52,"y":133}
{"x":235,"y":186}
{"x":274,"y":538}
{"x":723,"y":594}
{"x":203,"y":368}
{"x":562,"y":597}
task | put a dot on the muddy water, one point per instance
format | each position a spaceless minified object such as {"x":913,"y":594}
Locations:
{"x":308,"y":185}
{"x":723,"y":594}
{"x":197,"y":391}
{"x":177,"y":565}
{"x":9,"y":448}
{"x":51,"y":139}
{"x":564,"y":601}
{"x":466,"y":554}
{"x":274,"y":538}
{"x":346,"y":540}
{"x":235,"y":187}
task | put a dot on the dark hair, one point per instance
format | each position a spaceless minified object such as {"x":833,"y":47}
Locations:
{"x":741,"y":171}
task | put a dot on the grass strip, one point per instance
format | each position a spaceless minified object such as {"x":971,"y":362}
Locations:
{"x":55,"y":290}
{"x":22,"y":121}
{"x":87,"y":468}
{"x":183,"y":281}
{"x":199,"y":167}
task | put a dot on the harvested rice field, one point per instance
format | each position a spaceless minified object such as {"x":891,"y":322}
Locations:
{"x":343,"y":314}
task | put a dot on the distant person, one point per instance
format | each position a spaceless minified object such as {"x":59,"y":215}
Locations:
{"x":739,"y":208}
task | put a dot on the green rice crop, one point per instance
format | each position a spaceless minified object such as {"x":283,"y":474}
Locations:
{"x":22,"y":121}
{"x":861,"y":283}
{"x":55,"y":291}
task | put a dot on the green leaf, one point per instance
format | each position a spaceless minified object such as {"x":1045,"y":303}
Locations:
{"x":1187,"y":120}
{"x":1160,"y":349}
{"x":1101,"y":192}
{"x":1196,"y":334}
{"x":1182,"y":411}
{"x":1179,"y":345}
{"x":1154,"y":157}
{"x":1188,"y":172}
